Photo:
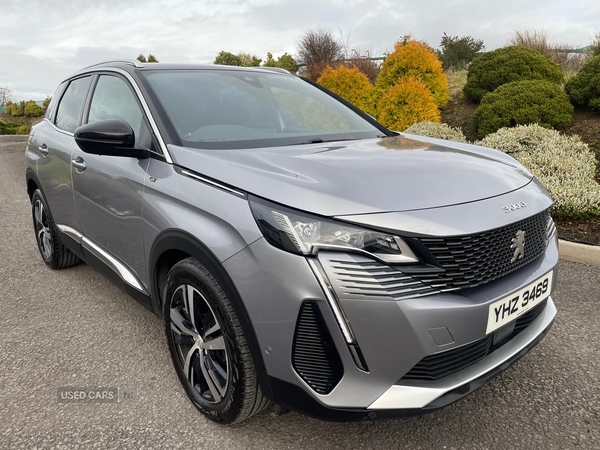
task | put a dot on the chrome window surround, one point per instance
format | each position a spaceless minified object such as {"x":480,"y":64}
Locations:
{"x":142,"y":100}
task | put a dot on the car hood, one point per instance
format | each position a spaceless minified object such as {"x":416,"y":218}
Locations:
{"x":392,"y":174}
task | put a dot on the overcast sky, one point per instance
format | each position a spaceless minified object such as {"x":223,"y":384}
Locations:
{"x":43,"y":41}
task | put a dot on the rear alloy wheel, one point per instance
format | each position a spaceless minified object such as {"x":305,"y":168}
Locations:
{"x":54,"y":254}
{"x":207,"y":345}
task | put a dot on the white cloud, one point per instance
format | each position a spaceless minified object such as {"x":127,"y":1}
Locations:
{"x":44,"y":41}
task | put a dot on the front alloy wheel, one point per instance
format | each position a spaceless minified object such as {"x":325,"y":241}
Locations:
{"x":199,"y":343}
{"x":208,"y":347}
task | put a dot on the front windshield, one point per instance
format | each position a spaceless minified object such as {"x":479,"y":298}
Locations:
{"x":227,"y":109}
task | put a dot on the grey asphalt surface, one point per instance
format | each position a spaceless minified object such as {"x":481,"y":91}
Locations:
{"x":72,"y":328}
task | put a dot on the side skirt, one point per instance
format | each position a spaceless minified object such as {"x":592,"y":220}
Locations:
{"x":111,"y":268}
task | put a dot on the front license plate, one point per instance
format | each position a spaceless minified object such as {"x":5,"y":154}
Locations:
{"x":510,"y":307}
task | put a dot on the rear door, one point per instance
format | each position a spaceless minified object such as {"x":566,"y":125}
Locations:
{"x":53,"y":143}
{"x":109,"y":189}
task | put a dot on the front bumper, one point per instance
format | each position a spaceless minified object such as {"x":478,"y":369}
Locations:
{"x":442,"y":392}
{"x":400,"y":401}
{"x":393,"y":336}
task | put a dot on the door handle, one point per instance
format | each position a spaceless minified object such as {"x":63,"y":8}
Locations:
{"x":43,"y":149}
{"x":79,"y":164}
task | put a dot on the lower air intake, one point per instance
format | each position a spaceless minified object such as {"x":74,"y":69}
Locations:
{"x":442,"y":364}
{"x":314,"y":355}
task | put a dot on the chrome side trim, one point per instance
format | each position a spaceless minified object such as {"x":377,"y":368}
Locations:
{"x":405,"y":397}
{"x":212,"y":183}
{"x":142,"y":100}
{"x":113,"y":263}
{"x":332,"y":300}
{"x":71,"y":232}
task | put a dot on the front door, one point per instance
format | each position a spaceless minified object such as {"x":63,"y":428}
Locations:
{"x":109,"y":189}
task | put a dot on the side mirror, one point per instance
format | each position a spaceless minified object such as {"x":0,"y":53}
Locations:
{"x":109,"y":137}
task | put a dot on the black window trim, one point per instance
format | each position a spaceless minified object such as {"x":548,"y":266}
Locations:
{"x":147,"y":107}
{"x":88,"y":103}
{"x":62,"y":95}
{"x":56,"y":98}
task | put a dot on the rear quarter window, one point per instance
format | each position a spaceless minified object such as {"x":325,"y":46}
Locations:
{"x":71,"y":104}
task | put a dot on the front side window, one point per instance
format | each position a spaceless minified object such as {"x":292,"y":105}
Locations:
{"x":222,"y":109}
{"x":71,"y":104}
{"x":113,"y":99}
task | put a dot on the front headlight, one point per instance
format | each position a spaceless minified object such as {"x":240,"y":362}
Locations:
{"x":303,"y":234}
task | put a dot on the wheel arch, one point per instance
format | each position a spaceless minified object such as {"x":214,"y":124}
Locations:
{"x":33,"y":182}
{"x":171,"y":246}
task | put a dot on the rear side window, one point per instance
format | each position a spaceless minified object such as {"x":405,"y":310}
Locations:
{"x":69,"y":109}
{"x":52,"y":106}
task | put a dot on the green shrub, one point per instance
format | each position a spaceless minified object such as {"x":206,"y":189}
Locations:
{"x":23,"y":129}
{"x":8,"y":108}
{"x":14,"y":109}
{"x":507,"y":64}
{"x":408,"y":102}
{"x":523,"y":103}
{"x":584,"y":88}
{"x":415,"y":59}
{"x":563,"y":164}
{"x":349,"y":83}
{"x":437,"y":130}
{"x":32,"y":109}
{"x":46,"y":102}
{"x":13,"y":128}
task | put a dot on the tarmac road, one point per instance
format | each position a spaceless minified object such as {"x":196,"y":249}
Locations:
{"x":72,"y":328}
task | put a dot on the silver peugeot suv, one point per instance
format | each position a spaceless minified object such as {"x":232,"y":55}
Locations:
{"x":298,"y":252}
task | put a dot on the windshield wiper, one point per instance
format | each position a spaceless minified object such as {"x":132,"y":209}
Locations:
{"x":320,"y":141}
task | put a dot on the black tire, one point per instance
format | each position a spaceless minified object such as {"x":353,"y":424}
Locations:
{"x":54,"y":254}
{"x":229,"y":397}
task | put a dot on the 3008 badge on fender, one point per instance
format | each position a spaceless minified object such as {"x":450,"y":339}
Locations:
{"x":509,"y":308}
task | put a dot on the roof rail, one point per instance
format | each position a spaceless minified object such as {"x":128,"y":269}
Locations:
{"x":276,"y":69}
{"x":131,"y":62}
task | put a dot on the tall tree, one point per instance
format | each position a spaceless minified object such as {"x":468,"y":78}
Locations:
{"x":228,"y":59}
{"x":5,"y":95}
{"x":458,"y":52}
{"x":285,"y":61}
{"x":249,"y":60}
{"x":317,"y":49}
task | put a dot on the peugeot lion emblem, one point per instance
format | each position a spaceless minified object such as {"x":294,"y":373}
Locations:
{"x":518,"y":243}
